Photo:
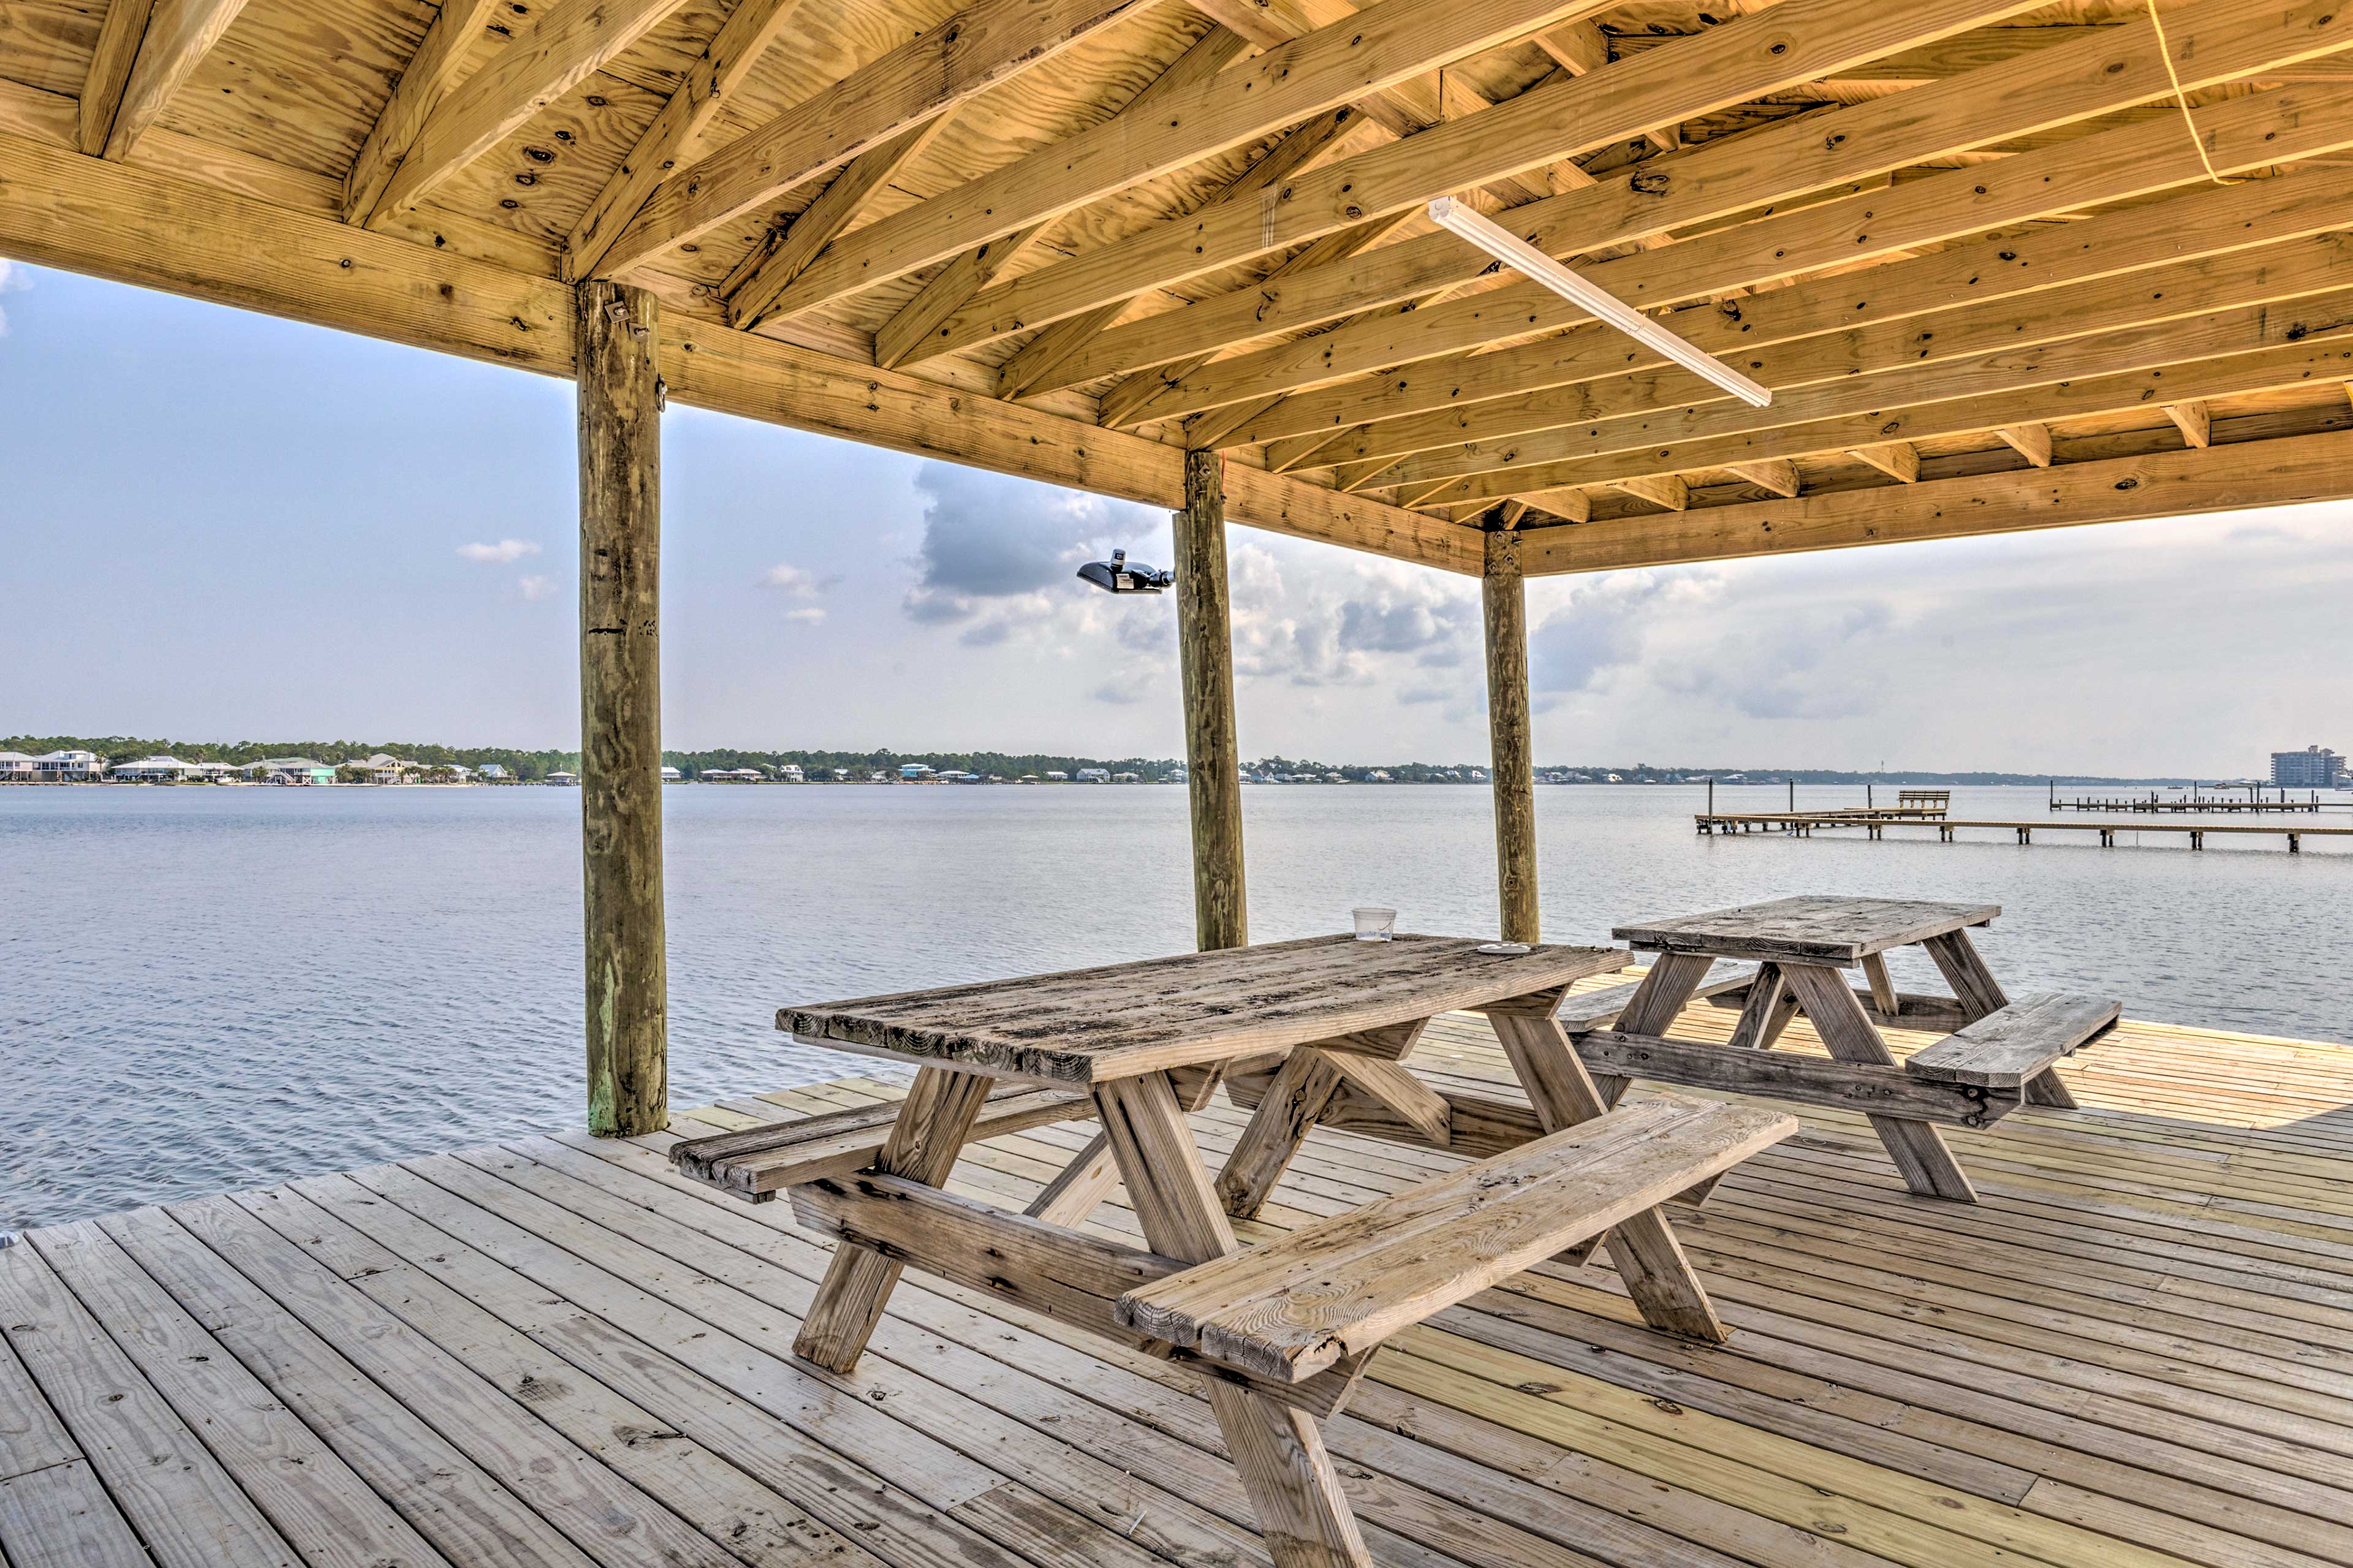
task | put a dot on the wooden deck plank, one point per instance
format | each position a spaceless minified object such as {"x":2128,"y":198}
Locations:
{"x":168,"y":1485}
{"x":329,"y":1512}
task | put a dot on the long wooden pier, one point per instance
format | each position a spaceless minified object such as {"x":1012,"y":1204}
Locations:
{"x":2201,"y":805}
{"x":1802,"y":823}
{"x":2136,"y":1353}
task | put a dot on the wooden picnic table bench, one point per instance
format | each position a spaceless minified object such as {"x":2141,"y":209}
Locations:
{"x":1281,"y":1332}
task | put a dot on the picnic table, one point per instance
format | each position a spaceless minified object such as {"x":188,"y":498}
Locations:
{"x":1279,"y":1332}
{"x":1997,"y":1056}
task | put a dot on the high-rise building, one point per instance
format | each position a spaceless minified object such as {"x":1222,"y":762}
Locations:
{"x":2314,"y":767}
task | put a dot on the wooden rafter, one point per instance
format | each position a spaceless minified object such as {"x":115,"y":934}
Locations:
{"x":1067,"y":340}
{"x":1568,"y":116}
{"x":439,"y":63}
{"x":1295,"y":151}
{"x":678,"y":131}
{"x":1489,"y":398}
{"x":1310,"y":76}
{"x":2284,"y":471}
{"x":2120,"y":66}
{"x":991,"y":42}
{"x":2238,"y":311}
{"x":146,"y":50}
{"x":752,"y":290}
{"x":566,"y":45}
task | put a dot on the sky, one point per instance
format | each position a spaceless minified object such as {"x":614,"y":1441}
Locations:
{"x":219,"y":526}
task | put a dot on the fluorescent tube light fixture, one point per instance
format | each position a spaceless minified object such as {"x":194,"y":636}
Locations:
{"x":1517,"y":253}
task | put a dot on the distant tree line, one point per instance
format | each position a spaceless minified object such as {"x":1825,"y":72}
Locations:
{"x":525,"y":765}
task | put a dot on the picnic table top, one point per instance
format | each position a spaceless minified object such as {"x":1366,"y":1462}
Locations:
{"x":1811,"y":927}
{"x":1088,"y":1026}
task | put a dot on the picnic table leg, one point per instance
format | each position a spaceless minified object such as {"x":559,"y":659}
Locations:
{"x":1303,"y":1089}
{"x":1964,"y":970}
{"x":1081,"y":1187}
{"x":1917,"y":1148}
{"x":1663,"y":994}
{"x":1649,"y":1258}
{"x":1766,"y":1012}
{"x":932,"y":1124}
{"x":1973,"y":985}
{"x":1294,"y":1490}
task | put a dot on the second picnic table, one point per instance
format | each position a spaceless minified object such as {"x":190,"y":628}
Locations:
{"x":1279,"y":1332}
{"x":1997,"y":1054}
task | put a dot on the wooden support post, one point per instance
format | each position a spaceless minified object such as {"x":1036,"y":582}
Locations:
{"x":1205,"y":643}
{"x":1513,"y":759}
{"x":617,"y":333}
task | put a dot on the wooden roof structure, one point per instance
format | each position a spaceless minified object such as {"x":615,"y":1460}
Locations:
{"x":2004,"y":265}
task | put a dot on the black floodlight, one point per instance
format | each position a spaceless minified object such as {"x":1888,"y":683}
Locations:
{"x":1116,"y":576}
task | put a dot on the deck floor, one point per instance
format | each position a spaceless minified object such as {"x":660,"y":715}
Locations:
{"x":2138,"y":1351}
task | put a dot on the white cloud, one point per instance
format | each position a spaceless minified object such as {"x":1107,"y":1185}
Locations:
{"x":537,"y":588}
{"x":810,"y":615}
{"x":15,"y":279}
{"x":505,"y":552}
{"x":787,"y":578}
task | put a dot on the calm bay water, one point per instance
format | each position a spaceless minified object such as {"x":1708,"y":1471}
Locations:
{"x":204,"y":989}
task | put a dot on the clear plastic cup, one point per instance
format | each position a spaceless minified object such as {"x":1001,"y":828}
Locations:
{"x":1375,"y":925}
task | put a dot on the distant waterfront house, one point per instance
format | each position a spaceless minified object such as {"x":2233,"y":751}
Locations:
{"x":492,"y":772}
{"x":790,"y":773}
{"x":915,"y":773}
{"x":735,"y":775}
{"x":1126,"y":778}
{"x":16,"y":767}
{"x":289,"y":771}
{"x":1095,"y":775}
{"x":1056,"y":776}
{"x":157,"y":770}
{"x":671,"y":775}
{"x":69,"y":767}
{"x":382,"y":768}
{"x":560,"y":777}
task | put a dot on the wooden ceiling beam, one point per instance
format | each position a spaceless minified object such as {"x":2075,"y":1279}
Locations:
{"x":1350,"y":59}
{"x":990,"y":42}
{"x":751,"y":291}
{"x":2104,"y":387}
{"x":678,"y":133}
{"x":2116,"y":165}
{"x":2119,"y":66}
{"x":142,"y":58}
{"x":2284,"y":471}
{"x":568,"y":43}
{"x":2208,"y":310}
{"x":1296,"y":150}
{"x":903,"y":339}
{"x":1066,"y":339}
{"x":2278,"y":369}
{"x":1568,"y":116}
{"x":155,"y":230}
{"x":2091,"y":290}
{"x":436,"y":68}
{"x":120,"y":33}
